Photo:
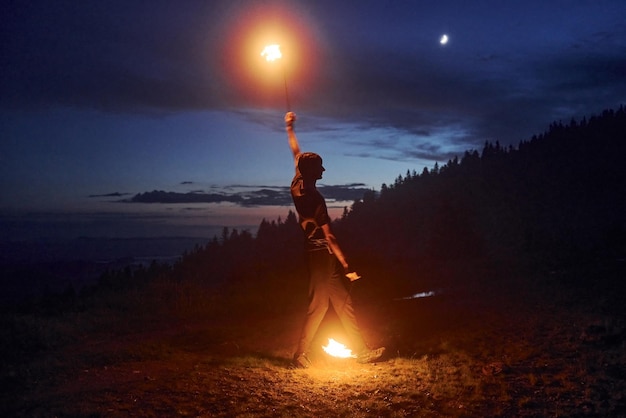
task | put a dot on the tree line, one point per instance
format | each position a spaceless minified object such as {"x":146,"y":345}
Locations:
{"x":555,"y":199}
{"x":552,"y":199}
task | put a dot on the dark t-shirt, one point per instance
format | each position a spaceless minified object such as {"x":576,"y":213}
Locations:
{"x":312,"y":211}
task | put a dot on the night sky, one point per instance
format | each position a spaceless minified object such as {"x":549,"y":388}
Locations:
{"x":103,"y":100}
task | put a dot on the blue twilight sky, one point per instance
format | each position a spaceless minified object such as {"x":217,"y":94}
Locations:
{"x":104,"y":100}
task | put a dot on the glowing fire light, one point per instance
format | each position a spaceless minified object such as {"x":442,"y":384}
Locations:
{"x":337,"y":349}
{"x":271,"y":52}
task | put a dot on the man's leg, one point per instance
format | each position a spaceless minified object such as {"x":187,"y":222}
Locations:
{"x":319,"y":274}
{"x":342,"y":304}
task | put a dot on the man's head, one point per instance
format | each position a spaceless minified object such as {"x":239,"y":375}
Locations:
{"x":310,"y":166}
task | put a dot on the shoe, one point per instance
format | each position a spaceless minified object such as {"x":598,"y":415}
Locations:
{"x":301,"y":361}
{"x":370,"y":356}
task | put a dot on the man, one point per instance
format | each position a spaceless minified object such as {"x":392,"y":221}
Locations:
{"x":328,"y":267}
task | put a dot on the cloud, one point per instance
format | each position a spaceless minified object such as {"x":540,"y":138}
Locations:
{"x":342,"y":193}
{"x":114,"y":194}
{"x":160,"y":196}
{"x":489,"y":91}
{"x":370,"y":72}
{"x":93,"y":55}
{"x":249,"y":196}
{"x":267,"y":197}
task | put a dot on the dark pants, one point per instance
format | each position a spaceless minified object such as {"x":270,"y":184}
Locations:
{"x":328,"y":285}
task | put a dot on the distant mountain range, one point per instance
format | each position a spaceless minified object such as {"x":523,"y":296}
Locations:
{"x":94,"y":249}
{"x":29,"y":268}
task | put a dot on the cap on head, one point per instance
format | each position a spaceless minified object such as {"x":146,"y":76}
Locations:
{"x":309,"y":164}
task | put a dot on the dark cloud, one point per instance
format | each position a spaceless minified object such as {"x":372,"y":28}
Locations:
{"x":119,"y":56}
{"x":265,"y":197}
{"x":160,"y":196}
{"x":342,"y":193}
{"x":268,"y":196}
{"x":492,"y":92}
{"x":379,"y":68}
{"x":114,"y":194}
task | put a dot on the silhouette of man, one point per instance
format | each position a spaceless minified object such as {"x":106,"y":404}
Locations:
{"x":328,"y":267}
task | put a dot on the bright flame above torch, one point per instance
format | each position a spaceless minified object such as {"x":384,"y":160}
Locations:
{"x":337,"y":349}
{"x":271,"y":52}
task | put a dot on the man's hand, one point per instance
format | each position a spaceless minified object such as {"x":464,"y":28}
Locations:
{"x":290,"y":119}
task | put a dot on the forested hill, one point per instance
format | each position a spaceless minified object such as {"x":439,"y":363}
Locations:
{"x":549,"y":203}
{"x":555,"y":198}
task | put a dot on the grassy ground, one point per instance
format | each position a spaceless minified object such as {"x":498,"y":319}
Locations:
{"x":513,"y":347}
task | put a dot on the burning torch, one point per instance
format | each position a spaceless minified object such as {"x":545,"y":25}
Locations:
{"x":271,"y":54}
{"x":335,"y":348}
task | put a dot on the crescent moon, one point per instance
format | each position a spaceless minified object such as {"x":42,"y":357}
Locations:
{"x":444,"y":39}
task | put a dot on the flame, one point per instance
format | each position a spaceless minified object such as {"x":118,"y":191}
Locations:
{"x":337,"y":349}
{"x":271,"y":52}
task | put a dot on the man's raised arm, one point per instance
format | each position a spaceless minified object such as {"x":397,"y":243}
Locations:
{"x":290,"y":120}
